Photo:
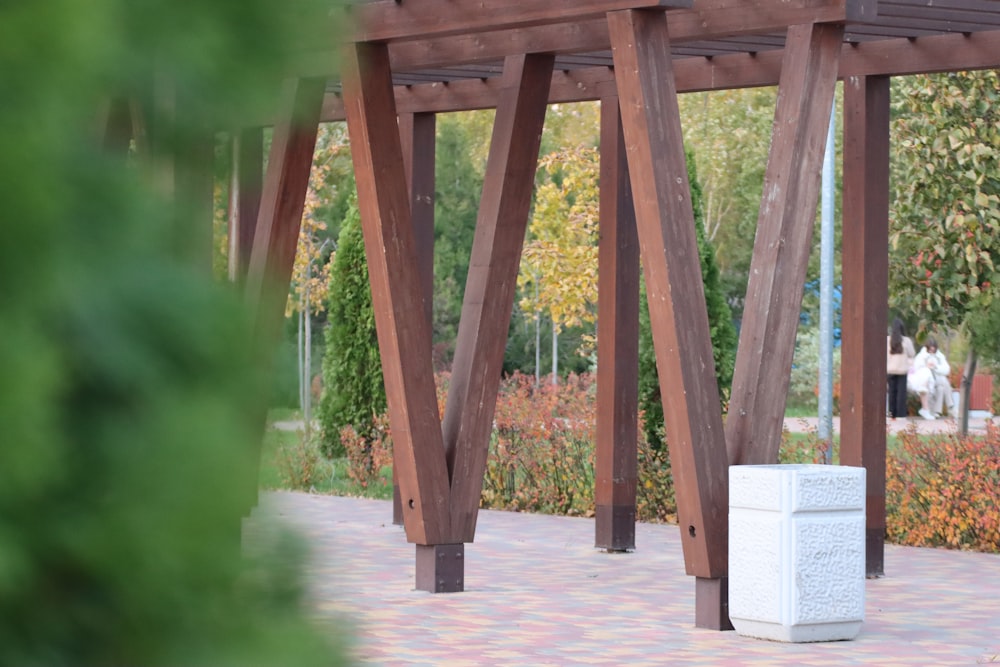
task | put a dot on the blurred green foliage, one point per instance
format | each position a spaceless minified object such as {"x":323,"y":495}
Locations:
{"x":128,"y":386}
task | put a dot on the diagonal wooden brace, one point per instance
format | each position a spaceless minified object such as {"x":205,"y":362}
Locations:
{"x":398,"y":300}
{"x":489,"y":291}
{"x":678,"y":314}
{"x":781,"y":248}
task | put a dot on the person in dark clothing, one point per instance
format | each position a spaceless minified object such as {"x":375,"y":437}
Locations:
{"x":899,"y":358}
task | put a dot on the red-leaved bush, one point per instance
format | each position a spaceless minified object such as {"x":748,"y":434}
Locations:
{"x":542,"y":453}
{"x":940,"y":490}
{"x":367,"y":453}
{"x":943,"y":491}
{"x":655,"y":501}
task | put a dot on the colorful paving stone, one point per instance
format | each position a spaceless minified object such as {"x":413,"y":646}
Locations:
{"x":537,"y":593}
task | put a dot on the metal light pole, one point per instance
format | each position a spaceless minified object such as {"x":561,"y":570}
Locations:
{"x":825,"y":428}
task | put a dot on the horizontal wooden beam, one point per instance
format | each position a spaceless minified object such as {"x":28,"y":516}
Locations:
{"x":389,"y":20}
{"x":893,"y":57}
{"x":587,"y":32}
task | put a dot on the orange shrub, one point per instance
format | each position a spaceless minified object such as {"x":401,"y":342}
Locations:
{"x":367,"y":453}
{"x":655,"y":500}
{"x":541,"y":452}
{"x":942,"y":491}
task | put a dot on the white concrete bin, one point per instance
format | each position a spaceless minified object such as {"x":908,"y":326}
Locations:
{"x":797,"y":551}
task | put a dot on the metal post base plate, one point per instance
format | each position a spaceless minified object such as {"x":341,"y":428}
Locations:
{"x":614,"y":527}
{"x":441,"y":568}
{"x":711,"y":604}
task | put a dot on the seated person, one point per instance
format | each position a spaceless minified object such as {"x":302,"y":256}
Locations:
{"x":929,"y":378}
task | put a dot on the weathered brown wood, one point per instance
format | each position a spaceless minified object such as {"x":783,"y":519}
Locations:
{"x":711,"y":604}
{"x":282,"y":201}
{"x":416,"y":133}
{"x":279,"y":216}
{"x":615,"y":461}
{"x":403,"y":331}
{"x":704,"y":20}
{"x":865,"y":258}
{"x":489,"y":290}
{"x":939,"y":14}
{"x":388,"y":20}
{"x":934,"y":53}
{"x":678,"y":314}
{"x":245,"y":189}
{"x":938,"y":53}
{"x":781,"y":248}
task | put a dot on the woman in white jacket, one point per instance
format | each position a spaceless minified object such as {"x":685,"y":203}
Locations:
{"x":930,"y":381}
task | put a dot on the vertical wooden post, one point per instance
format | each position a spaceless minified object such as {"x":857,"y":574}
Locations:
{"x":678,"y":314}
{"x":403,"y":331}
{"x":865,"y":273}
{"x":489,"y":291}
{"x":244,"y":198}
{"x":279,"y":217}
{"x":617,"y":343}
{"x":781,"y":248}
{"x":417,"y":135}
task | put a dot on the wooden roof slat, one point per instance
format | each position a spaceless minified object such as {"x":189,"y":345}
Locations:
{"x":937,"y":17}
{"x":984,"y":6}
{"x":870,"y":32}
{"x":453,"y":73}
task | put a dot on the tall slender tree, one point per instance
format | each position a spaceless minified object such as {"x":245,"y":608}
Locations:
{"x":558,"y":274}
{"x":353,"y":389}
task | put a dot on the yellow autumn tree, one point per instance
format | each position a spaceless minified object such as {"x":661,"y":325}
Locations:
{"x":558,"y":274}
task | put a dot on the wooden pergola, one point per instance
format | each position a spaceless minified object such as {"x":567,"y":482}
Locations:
{"x":405,"y":61}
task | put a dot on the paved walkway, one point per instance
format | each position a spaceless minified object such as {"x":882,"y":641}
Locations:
{"x":538,"y":593}
{"x":921,"y":425}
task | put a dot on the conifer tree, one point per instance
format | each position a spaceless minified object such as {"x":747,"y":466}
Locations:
{"x":354,"y":393}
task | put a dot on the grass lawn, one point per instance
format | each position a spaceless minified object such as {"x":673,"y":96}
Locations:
{"x":287,"y":462}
